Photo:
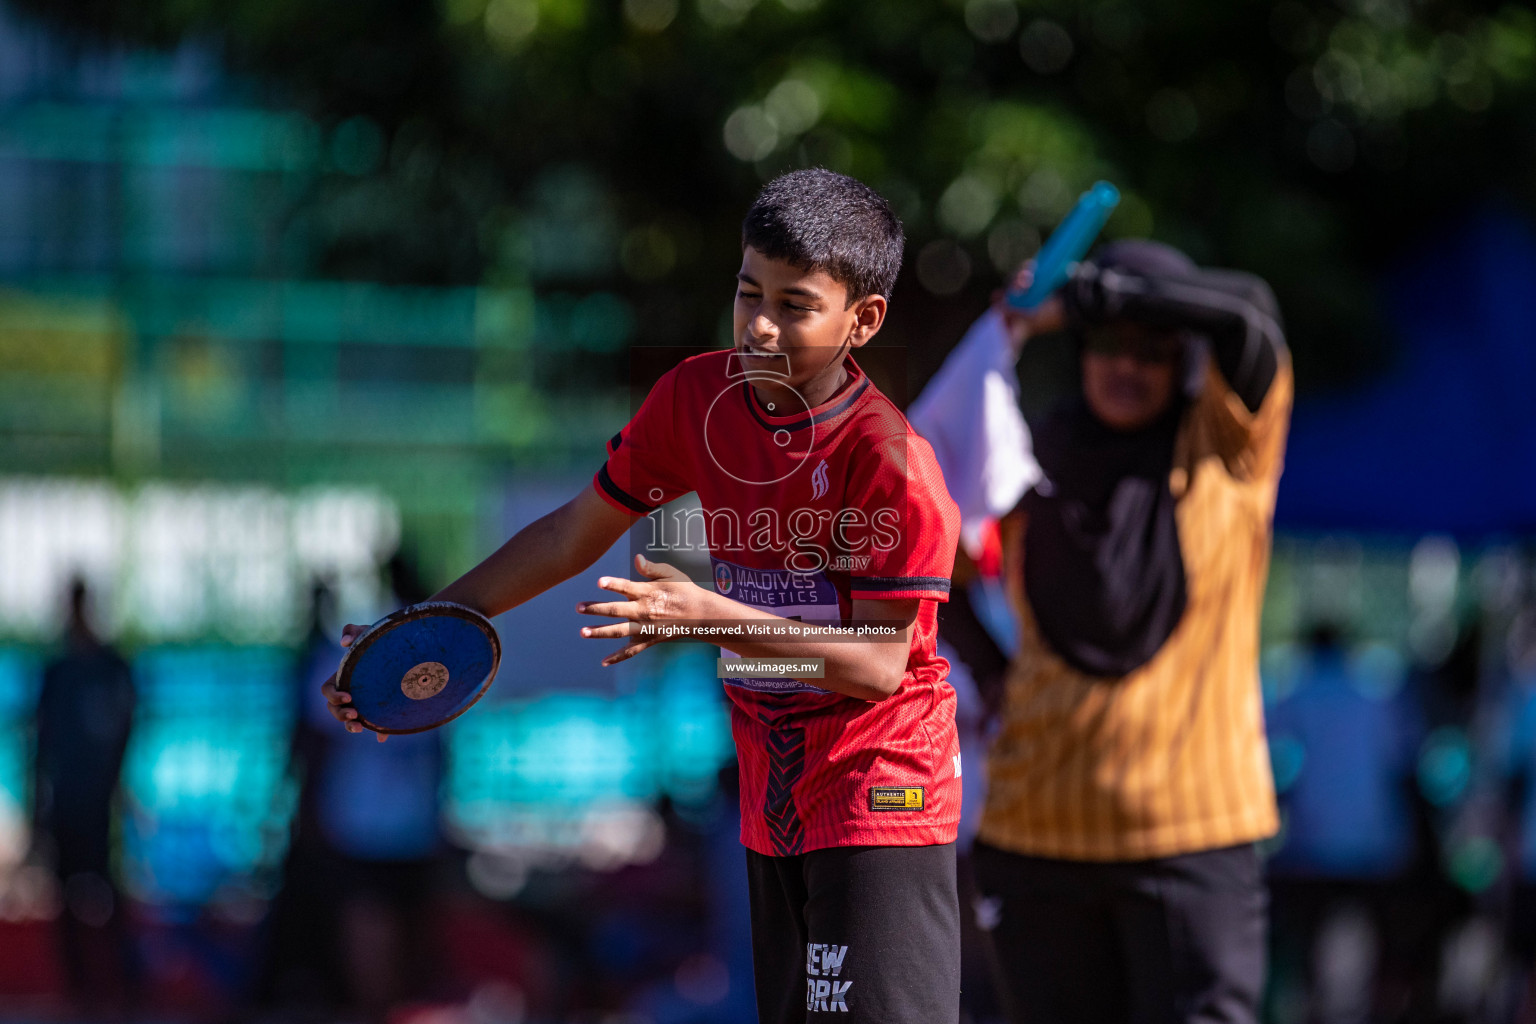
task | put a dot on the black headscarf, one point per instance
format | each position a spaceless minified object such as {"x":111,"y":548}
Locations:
{"x":1103,"y":570}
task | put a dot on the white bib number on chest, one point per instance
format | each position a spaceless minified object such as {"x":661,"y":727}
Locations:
{"x":805,"y":597}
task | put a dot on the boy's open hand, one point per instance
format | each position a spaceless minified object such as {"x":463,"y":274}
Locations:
{"x":665,"y":595}
{"x":336,"y":701}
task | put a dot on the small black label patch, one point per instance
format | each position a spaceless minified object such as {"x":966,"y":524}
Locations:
{"x":896,"y":798}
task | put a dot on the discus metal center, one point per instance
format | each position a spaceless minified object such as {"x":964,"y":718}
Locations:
{"x":424,"y":680}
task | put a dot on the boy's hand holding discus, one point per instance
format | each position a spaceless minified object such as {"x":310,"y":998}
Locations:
{"x":415,"y":669}
{"x":337,"y":700}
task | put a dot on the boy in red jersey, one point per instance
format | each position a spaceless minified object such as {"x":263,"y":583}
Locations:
{"x":824,"y":509}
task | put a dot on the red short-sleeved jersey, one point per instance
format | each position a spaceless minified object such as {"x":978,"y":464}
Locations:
{"x":805,"y":510}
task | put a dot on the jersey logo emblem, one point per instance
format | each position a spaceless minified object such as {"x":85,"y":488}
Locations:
{"x":723,"y":580}
{"x":896,"y":798}
{"x":819,"y":481}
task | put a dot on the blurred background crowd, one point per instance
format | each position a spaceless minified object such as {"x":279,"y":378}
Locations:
{"x":303,"y":307}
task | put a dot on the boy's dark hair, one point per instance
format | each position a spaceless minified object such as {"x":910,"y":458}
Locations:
{"x":817,"y":219}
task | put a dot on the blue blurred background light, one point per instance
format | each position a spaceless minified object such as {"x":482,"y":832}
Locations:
{"x":1287,"y":757}
{"x":206,"y":783}
{"x":1445,"y":765}
{"x":19,"y":674}
{"x":538,"y":772}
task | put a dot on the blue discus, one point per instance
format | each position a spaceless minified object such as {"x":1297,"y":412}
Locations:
{"x":420,"y":667}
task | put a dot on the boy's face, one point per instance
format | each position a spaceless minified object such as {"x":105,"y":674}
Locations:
{"x":784,"y":313}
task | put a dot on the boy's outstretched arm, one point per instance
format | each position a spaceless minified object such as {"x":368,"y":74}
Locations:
{"x":548,"y":551}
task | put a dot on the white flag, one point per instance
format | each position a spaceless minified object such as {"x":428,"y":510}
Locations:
{"x":969,"y":413}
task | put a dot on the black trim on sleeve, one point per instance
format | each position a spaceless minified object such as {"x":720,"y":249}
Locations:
{"x":895,"y":583}
{"x":615,"y":441}
{"x":621,"y":496}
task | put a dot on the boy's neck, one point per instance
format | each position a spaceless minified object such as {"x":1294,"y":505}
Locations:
{"x":814,"y":392}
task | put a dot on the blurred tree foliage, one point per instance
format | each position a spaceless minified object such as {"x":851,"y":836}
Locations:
{"x":578,"y":145}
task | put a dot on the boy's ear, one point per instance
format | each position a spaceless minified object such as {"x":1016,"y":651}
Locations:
{"x":868,"y":315}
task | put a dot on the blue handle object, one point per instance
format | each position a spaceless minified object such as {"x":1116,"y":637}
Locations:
{"x":1068,"y":244}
